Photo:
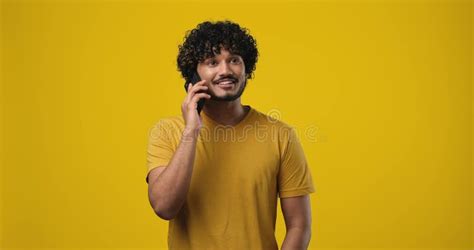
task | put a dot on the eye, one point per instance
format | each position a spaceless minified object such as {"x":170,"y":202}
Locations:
{"x":211,"y":63}
{"x":235,"y":60}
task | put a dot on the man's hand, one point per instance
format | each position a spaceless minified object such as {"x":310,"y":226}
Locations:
{"x":191,"y":117}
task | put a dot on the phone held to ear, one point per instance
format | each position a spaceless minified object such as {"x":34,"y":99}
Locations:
{"x":195,"y":78}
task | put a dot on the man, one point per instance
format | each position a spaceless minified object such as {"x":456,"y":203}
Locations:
{"x":216,"y":176}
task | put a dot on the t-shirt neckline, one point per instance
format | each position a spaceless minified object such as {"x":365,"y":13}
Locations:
{"x":243,"y":121}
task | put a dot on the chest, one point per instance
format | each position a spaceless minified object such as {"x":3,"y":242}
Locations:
{"x":236,"y":165}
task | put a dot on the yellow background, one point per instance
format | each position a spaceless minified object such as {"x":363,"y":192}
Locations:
{"x":384,"y":89}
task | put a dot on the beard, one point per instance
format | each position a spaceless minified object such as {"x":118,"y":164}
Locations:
{"x":229,"y":98}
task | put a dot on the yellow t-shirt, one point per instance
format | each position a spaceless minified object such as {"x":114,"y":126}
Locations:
{"x":238,"y":174}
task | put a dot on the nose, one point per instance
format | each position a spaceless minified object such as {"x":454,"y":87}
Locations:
{"x":224,"y":70}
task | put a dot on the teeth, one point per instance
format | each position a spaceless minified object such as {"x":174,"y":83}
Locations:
{"x":225,"y":83}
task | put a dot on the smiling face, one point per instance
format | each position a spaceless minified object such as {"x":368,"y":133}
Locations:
{"x":225,"y":74}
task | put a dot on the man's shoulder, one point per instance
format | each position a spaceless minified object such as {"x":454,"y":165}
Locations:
{"x":169,"y":123}
{"x":271,"y":118}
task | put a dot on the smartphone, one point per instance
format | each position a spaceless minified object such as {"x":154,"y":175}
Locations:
{"x":194,"y":79}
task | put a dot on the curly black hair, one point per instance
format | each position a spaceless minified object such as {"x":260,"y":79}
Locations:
{"x":208,"y":38}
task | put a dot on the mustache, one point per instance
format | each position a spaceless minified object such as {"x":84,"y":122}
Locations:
{"x":233,"y":79}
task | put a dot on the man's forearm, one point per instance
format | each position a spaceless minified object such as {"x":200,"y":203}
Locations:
{"x":170,"y":189}
{"x":296,"y":239}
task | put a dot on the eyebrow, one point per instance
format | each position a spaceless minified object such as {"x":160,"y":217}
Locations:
{"x":231,"y":56}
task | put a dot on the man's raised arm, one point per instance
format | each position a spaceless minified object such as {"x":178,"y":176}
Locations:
{"x":168,"y":185}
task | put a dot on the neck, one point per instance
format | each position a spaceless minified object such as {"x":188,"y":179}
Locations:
{"x":225,"y":113}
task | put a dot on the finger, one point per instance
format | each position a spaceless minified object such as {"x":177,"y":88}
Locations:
{"x":197,"y":86}
{"x":191,"y":90}
{"x":196,"y":89}
{"x":198,"y":96}
{"x":186,"y":99}
{"x":194,"y":92}
{"x":201,"y":82}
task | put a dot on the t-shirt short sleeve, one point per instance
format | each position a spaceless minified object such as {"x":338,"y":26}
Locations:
{"x":294,"y":176}
{"x":160,"y":148}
